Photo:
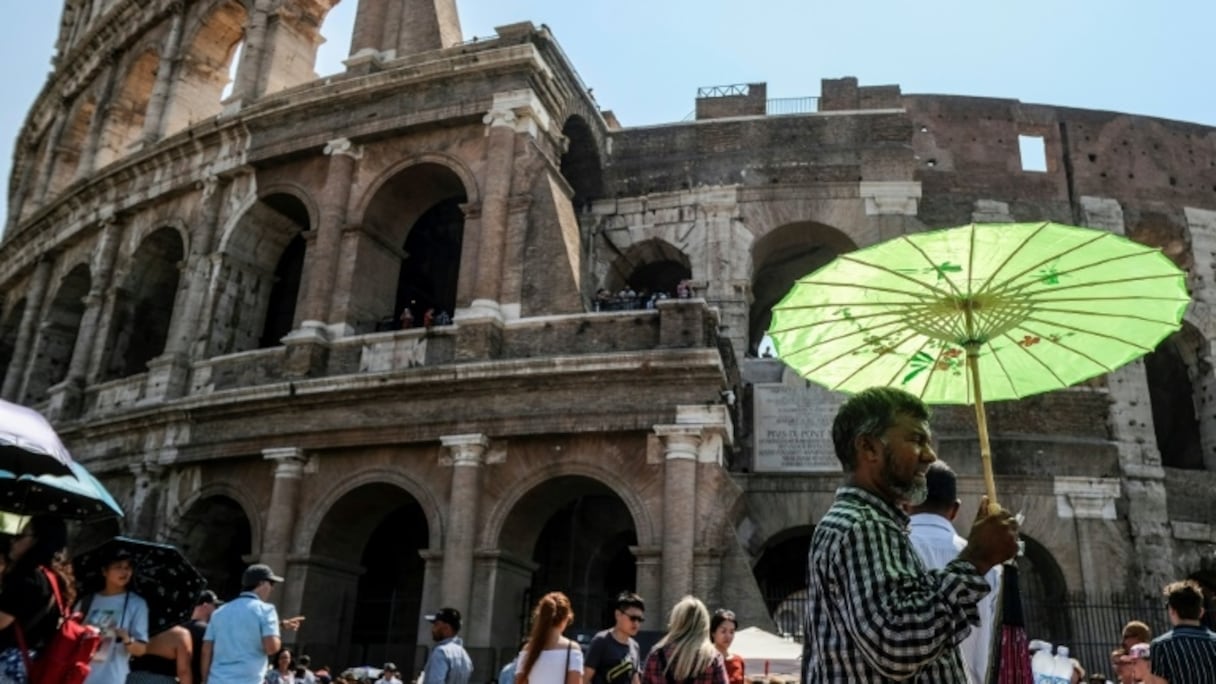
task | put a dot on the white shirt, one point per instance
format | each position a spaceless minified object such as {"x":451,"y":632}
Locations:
{"x":551,"y":667}
{"x":936,"y":542}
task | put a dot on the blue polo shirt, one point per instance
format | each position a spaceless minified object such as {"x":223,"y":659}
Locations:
{"x":236,"y":630}
{"x":449,"y":663}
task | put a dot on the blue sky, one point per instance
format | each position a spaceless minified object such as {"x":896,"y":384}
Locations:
{"x":646,"y":59}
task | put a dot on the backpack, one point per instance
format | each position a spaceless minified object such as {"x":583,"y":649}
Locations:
{"x":66,"y":657}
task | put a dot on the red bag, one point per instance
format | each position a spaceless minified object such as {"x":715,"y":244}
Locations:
{"x":67,"y":655}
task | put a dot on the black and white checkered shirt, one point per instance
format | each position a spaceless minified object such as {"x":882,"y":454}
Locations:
{"x":876,"y":614}
{"x":1185,"y":655}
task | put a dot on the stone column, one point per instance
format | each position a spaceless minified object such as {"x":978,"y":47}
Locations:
{"x":36,"y":299}
{"x":145,"y":500}
{"x":68,"y":404}
{"x":517,"y":111}
{"x":1131,"y":423}
{"x":47,"y":164}
{"x":466,"y":454}
{"x":680,"y":446}
{"x":92,"y":140}
{"x":648,"y":560}
{"x":248,"y":86}
{"x":322,"y":257}
{"x":370,"y":22}
{"x":1090,"y":503}
{"x":427,"y":25}
{"x":280,"y":528}
{"x":1202,"y":226}
{"x":170,"y":60}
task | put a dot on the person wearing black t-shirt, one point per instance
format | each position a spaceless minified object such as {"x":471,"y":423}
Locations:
{"x":197,"y":626}
{"x":27,"y":599}
{"x":612,"y":656}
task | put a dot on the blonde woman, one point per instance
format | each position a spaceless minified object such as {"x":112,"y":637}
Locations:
{"x":685,"y":654}
{"x":549,"y":657}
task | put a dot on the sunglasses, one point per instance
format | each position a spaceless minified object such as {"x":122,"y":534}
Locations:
{"x":637,"y":619}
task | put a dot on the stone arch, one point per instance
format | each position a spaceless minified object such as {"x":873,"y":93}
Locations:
{"x":648,"y":535}
{"x":72,"y":141}
{"x":261,"y":269}
{"x":1044,"y":590}
{"x":127,"y":109}
{"x":367,"y":543}
{"x":217,"y":534}
{"x":654,"y":265}
{"x":10,"y":325}
{"x":780,"y":571}
{"x":579,"y":534}
{"x":581,"y":163}
{"x":415,"y":219}
{"x":293,"y":42}
{"x":306,"y":529}
{"x":450,"y":162}
{"x":58,"y":334}
{"x":1181,"y":387}
{"x":203,"y":73}
{"x":781,"y":256}
{"x":144,"y":303}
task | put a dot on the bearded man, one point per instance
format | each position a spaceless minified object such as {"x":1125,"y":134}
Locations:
{"x":876,"y":614}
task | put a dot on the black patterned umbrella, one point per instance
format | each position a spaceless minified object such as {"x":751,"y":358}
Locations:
{"x":162,"y":577}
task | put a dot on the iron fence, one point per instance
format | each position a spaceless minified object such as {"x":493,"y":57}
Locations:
{"x":791,"y":105}
{"x":1089,"y":625}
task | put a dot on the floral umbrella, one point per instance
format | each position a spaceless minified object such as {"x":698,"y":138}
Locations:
{"x":995,"y":311}
{"x":162,"y":577}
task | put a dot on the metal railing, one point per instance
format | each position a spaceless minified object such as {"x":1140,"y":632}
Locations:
{"x":734,"y":90}
{"x":791,"y":105}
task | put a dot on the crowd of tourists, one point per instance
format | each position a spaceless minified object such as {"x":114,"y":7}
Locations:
{"x":894,"y":594}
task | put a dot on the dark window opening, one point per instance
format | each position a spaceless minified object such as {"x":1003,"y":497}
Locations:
{"x":429,"y":273}
{"x":281,"y":312}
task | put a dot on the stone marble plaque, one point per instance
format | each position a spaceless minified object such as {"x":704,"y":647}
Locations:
{"x":793,"y":429}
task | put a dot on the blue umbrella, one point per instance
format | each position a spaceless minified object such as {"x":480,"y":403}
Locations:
{"x":75,"y":496}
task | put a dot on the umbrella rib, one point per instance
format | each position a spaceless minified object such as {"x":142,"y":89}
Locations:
{"x":1011,"y":255}
{"x":1013,"y":278}
{"x":940,"y":274}
{"x":1012,"y":285}
{"x":905,"y":276}
{"x":928,"y":378}
{"x":1103,"y":315}
{"x":832,"y":339}
{"x":863,"y":366}
{"x":1020,"y":291}
{"x":843,"y":354}
{"x":1078,"y":352}
{"x":1083,"y":331}
{"x":1037,"y":360}
{"x":996,"y":357}
{"x":853,"y":286}
{"x":1129,"y":297}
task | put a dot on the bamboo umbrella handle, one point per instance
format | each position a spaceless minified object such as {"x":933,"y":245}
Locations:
{"x":981,"y":422}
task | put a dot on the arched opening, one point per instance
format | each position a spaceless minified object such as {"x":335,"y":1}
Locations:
{"x":580,"y":164}
{"x":781,"y":257}
{"x":578,"y":532}
{"x":420,"y":209}
{"x":203,"y":73}
{"x":293,"y":41}
{"x":1044,"y":594}
{"x":1176,"y":371}
{"x":143,"y":308}
{"x":71,"y":143}
{"x":781,"y":575}
{"x":9,"y":328}
{"x":127,"y":110}
{"x":261,"y":273}
{"x":215,"y":535}
{"x":370,"y":612}
{"x":59,"y":332}
{"x":647,"y":271}
{"x":336,"y":35}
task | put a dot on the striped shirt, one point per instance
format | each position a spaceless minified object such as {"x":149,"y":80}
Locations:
{"x":1186,"y":655}
{"x":876,"y":614}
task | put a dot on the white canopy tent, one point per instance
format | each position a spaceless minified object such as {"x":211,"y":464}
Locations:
{"x":766,"y":653}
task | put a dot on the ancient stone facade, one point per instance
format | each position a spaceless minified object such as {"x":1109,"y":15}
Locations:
{"x":206,"y":294}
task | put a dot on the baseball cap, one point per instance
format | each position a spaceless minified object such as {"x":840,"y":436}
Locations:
{"x":449,"y":616}
{"x":259,"y":572}
{"x":208,"y":596}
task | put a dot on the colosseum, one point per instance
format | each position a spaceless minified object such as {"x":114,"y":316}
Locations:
{"x":368,"y":328}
